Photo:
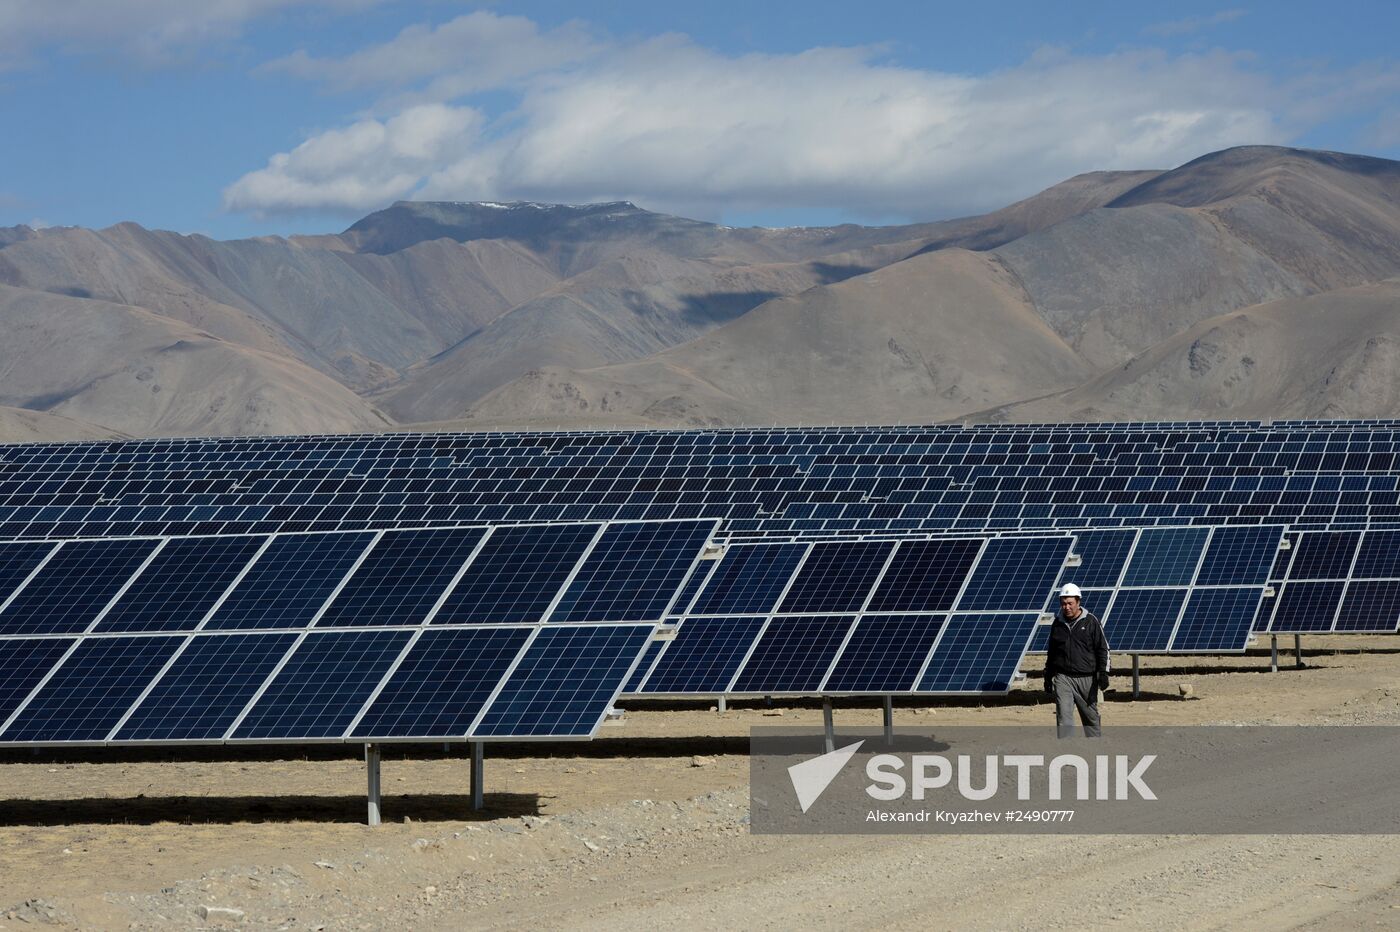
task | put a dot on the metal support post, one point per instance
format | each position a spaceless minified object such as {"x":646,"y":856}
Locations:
{"x":830,"y":727}
{"x":1273,"y":653}
{"x":722,"y":705}
{"x":889,"y":721}
{"x":1298,"y":651}
{"x":1137,"y":675}
{"x":478,"y":775}
{"x":372,"y":771}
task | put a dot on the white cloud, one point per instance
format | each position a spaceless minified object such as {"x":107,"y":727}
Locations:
{"x":152,"y":31}
{"x":1193,"y":24}
{"x":672,"y":125}
{"x":473,"y":52}
{"x":367,"y":164}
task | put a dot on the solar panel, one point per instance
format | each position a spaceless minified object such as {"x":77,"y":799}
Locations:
{"x":884,"y":654}
{"x":1338,"y":581}
{"x":442,"y":684}
{"x":1370,"y":605}
{"x":322,"y":686}
{"x":1307,"y":606}
{"x":749,"y":578}
{"x":517,"y":574}
{"x":90,"y":690}
{"x":1378,"y":557}
{"x":978,"y":653}
{"x":836,"y":577}
{"x":793,"y":654}
{"x":25,"y":662}
{"x":633,"y":572}
{"x":17,"y":562}
{"x":1141,"y":621}
{"x":1166,"y":557}
{"x":205,"y":688}
{"x":289,"y":583}
{"x":181,"y":584}
{"x":402,"y":577}
{"x":925,"y":576}
{"x":1238,"y":556}
{"x":565,"y":682}
{"x":1014,"y":574}
{"x":704,"y":655}
{"x":1217,"y":620}
{"x":74,"y":586}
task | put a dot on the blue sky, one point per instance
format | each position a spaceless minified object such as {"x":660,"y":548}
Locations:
{"x":247,"y":117}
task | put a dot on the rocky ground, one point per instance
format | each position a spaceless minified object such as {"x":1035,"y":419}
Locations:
{"x":647,"y":827}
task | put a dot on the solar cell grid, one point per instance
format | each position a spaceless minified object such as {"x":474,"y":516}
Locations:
{"x":1166,"y":557}
{"x":1014,"y":574}
{"x":925,"y":576}
{"x":17,"y":562}
{"x":1370,"y":605}
{"x":322,"y":686}
{"x":564,"y":682}
{"x":290,"y":582}
{"x":1217,"y":620}
{"x":402,"y":577}
{"x":793,"y":654}
{"x":517,"y":574}
{"x":978,"y":653}
{"x":1239,"y":556}
{"x":836,"y":577}
{"x":24,"y":663}
{"x":749,"y":578}
{"x":181,"y":584}
{"x":633,"y":572}
{"x":704,"y":655}
{"x":205,"y":688}
{"x":442,"y":683}
{"x":1307,"y":606}
{"x":91,"y":690}
{"x":74,"y":586}
{"x":1142,"y":620}
{"x":885,"y":653}
{"x":1324,"y":555}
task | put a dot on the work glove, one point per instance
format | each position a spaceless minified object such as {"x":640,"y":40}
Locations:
{"x":1103,"y":681}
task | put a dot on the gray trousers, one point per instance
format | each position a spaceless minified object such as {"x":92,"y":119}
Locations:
{"x":1076,"y":692}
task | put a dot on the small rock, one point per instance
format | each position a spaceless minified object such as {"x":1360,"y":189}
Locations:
{"x":407,"y":820}
{"x":700,"y":760}
{"x":220,"y":914}
{"x":589,"y":845}
{"x":326,"y":864}
{"x":430,"y":890}
{"x":771,"y":712}
{"x":1186,"y":690}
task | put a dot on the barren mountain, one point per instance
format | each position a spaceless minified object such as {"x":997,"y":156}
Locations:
{"x":541,"y":313}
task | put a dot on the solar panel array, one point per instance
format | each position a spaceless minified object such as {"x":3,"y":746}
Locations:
{"x":938,"y":616}
{"x":1175,"y":590}
{"x":759,"y":482}
{"x":1338,"y":581}
{"x":430,"y":634}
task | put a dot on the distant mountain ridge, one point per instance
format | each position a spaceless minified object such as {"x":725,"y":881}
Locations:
{"x":489,"y":314}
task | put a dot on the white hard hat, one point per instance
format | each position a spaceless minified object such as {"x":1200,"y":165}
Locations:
{"x":1070,"y":589}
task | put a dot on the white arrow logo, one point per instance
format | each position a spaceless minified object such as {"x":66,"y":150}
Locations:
{"x":811,"y":777}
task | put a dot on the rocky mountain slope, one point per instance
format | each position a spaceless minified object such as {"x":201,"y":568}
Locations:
{"x":1079,"y":301}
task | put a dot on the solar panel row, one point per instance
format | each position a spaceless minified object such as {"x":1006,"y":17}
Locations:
{"x":1342,"y":581}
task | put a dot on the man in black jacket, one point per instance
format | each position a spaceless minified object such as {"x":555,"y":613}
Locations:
{"x":1076,"y":665}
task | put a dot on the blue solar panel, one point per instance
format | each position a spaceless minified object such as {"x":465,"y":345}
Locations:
{"x":1324,"y":555}
{"x":1166,"y":557}
{"x":704,"y":655}
{"x":633,"y":572}
{"x":17,"y":561}
{"x":1370,"y":605}
{"x":1014,"y":574}
{"x":1142,"y":620}
{"x":1378,"y":558}
{"x":639,"y":675}
{"x":793,"y":655}
{"x":1306,"y":606}
{"x":978,"y":653}
{"x":206,"y":687}
{"x":290,"y":582}
{"x":442,"y":683}
{"x":181,"y":584}
{"x":749,"y":579}
{"x":1103,"y":555}
{"x":693,"y":584}
{"x":1239,"y":556}
{"x":565,"y":682}
{"x":91,"y":690}
{"x":884,"y":654}
{"x":402,"y":578}
{"x":74,"y":586}
{"x":24,"y":663}
{"x":517,"y":574}
{"x":837,"y":577}
{"x":1217,"y":619}
{"x":324,"y":685}
{"x":925,"y":576}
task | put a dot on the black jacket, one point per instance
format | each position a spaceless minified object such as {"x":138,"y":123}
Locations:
{"x":1077,"y":648}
